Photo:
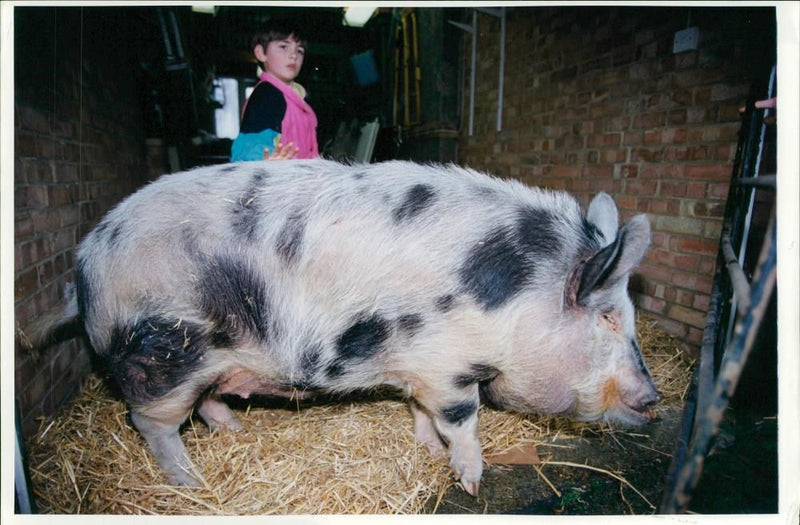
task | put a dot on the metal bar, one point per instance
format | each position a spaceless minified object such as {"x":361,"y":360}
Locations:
{"x":763,"y":181}
{"x":178,"y":43}
{"x":738,"y":279}
{"x":473,"y":73}
{"x":502,"y":68}
{"x":473,"y":31}
{"x":164,"y":34}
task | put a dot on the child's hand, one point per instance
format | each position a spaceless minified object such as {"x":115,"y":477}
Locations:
{"x":282,"y":152}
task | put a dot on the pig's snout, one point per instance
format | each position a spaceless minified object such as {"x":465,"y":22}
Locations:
{"x":645,"y":405}
{"x":630,"y":406}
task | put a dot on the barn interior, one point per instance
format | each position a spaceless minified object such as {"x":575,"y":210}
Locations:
{"x":641,"y":102}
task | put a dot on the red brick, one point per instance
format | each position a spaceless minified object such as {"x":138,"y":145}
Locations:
{"x":660,"y":239}
{"x":652,"y":304}
{"x":665,"y":206}
{"x":632,"y":138}
{"x":629,"y":171}
{"x":616,"y":124}
{"x":30,"y":197}
{"x":649,"y":120}
{"x":677,"y":117}
{"x":641,"y":187}
{"x":718,"y":190}
{"x":701,"y":302}
{"x":677,"y":154}
{"x":689,"y":316}
{"x":644,"y":155}
{"x":708,"y":171}
{"x":683,"y":279}
{"x":653,"y":271}
{"x":23,"y":225}
{"x":661,"y":171}
{"x":707,"y":209}
{"x":684,"y":298}
{"x":652,"y":138}
{"x":696,"y":190}
{"x":626,"y":201}
{"x":707,"y":265}
{"x":671,"y":189}
{"x":25,"y":284}
{"x":566,"y":171}
{"x":699,"y":153}
{"x":24,"y":145}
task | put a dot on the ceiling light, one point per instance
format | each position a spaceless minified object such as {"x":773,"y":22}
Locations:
{"x":204,"y":8}
{"x":358,"y":15}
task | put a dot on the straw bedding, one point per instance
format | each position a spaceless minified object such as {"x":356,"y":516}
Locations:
{"x":349,"y":457}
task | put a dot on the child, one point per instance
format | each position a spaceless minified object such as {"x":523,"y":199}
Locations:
{"x":277,"y":122}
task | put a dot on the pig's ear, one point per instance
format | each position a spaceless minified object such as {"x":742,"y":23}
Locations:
{"x":602,"y":213}
{"x":609,"y":265}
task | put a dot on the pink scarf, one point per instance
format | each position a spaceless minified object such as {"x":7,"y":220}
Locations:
{"x":299,"y":123}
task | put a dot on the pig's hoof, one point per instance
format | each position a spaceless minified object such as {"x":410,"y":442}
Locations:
{"x":182,"y":479}
{"x":232,"y":425}
{"x":469,"y":475}
{"x":471,"y":487}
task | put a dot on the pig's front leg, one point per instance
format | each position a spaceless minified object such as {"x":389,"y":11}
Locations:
{"x":455,"y":419}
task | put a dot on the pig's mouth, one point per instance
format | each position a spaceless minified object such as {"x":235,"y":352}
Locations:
{"x":641,"y":414}
{"x":626,"y":412}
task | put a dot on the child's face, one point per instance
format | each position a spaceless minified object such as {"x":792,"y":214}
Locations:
{"x":282,"y":58}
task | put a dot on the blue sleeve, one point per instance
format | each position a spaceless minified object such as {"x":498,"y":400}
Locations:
{"x":250,"y":146}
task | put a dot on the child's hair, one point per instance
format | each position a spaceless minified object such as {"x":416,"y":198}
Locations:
{"x":279,"y":30}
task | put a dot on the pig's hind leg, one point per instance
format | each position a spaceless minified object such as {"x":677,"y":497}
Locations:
{"x":160,"y":425}
{"x":425,"y":431}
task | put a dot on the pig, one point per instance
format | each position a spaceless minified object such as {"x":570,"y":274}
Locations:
{"x":304,"y":277}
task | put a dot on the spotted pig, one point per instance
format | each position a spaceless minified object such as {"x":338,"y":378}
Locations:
{"x":299,"y":277}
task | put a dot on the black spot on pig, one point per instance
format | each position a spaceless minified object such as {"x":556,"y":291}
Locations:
{"x":538,"y":235}
{"x":109,"y":232}
{"x":458,"y":413}
{"x":445,"y":303}
{"x":485,"y":192}
{"x":478,"y":373}
{"x":310,"y":360}
{"x":151,"y":358}
{"x":359,"y":175}
{"x":114,"y":235}
{"x":495,"y":269}
{"x":290,"y":238}
{"x":592,"y":236}
{"x":233,"y":298}
{"x":84,"y":289}
{"x":228,"y":169}
{"x":417,"y":198}
{"x":410,"y":324}
{"x":246,"y":211}
{"x":637,"y":354}
{"x":362,"y":340}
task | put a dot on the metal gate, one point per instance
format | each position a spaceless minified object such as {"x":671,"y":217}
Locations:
{"x":738,"y":302}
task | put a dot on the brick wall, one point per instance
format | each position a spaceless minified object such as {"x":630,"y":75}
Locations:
{"x":594,"y":99}
{"x":79,"y":149}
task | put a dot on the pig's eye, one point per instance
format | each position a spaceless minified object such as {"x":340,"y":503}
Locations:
{"x":610,"y":320}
